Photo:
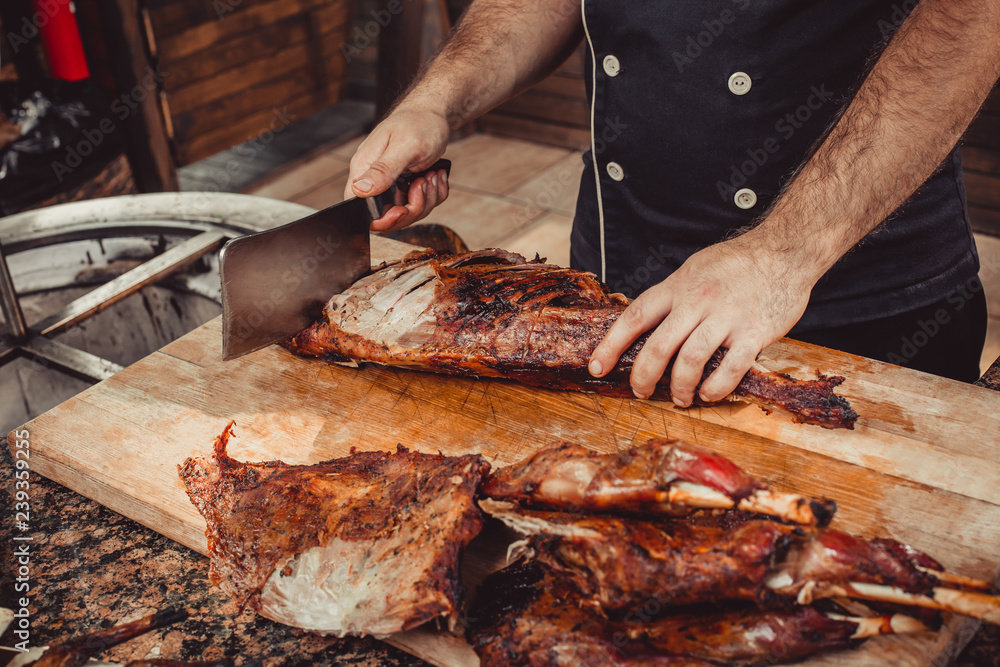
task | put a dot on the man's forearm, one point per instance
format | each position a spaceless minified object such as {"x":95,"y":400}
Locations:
{"x":498,"y":48}
{"x":907,"y":115}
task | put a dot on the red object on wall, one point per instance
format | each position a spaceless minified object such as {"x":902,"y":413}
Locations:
{"x":56,"y":20}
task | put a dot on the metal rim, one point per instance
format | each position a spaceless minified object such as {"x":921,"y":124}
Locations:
{"x":207,"y":219}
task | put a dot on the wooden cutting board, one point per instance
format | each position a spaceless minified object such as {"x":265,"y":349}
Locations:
{"x":921,"y":466}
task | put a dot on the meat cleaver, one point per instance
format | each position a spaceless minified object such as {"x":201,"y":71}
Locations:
{"x":276,"y":282}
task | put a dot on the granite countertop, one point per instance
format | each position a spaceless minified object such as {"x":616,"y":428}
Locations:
{"x":92,"y":568}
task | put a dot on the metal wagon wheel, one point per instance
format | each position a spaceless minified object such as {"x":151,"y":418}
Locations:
{"x":203,"y":220}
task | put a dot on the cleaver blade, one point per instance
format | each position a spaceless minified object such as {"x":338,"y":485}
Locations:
{"x":276,"y":282}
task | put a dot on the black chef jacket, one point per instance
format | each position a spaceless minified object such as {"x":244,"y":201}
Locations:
{"x":702,"y":110}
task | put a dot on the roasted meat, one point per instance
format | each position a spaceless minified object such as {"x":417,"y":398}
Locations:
{"x":525,"y":617}
{"x":492,"y":314}
{"x":661,"y":477}
{"x":527,"y":614}
{"x":366,"y":544}
{"x":619,"y":564}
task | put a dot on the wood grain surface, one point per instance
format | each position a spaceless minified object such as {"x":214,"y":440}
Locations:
{"x":921,"y":466}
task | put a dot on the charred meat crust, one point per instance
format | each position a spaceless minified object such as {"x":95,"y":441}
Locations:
{"x":618,"y":564}
{"x":491,"y":313}
{"x":526,"y":613}
{"x":526,"y":616}
{"x":631,"y":481}
{"x":259,"y":515}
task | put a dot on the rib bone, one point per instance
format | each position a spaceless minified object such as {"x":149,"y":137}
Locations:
{"x":977,"y":605}
{"x":872,"y":626}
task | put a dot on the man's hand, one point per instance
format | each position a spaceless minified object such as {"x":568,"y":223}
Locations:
{"x":394,"y":147}
{"x":731,"y":294}
{"x":498,"y":48}
{"x":746,"y":293}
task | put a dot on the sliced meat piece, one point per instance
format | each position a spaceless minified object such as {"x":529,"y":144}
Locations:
{"x":621,"y":564}
{"x":491,"y":313}
{"x":366,"y":544}
{"x":659,"y":478}
{"x":528,"y":614}
{"x":525,"y":617}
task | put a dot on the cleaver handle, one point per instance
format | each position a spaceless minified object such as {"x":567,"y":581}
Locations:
{"x":397,"y":193}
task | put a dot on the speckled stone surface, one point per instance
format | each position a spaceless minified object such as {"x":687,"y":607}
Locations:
{"x":92,"y":568}
{"x":991,"y":378}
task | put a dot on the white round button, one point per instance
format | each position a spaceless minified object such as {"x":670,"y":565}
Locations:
{"x":615,"y":171}
{"x":739,"y":83}
{"x":611,"y":66}
{"x":745,"y":198}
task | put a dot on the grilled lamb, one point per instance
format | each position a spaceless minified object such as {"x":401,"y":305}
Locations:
{"x":490,"y":313}
{"x":366,"y":544}
{"x":526,"y":614}
{"x":659,"y":478}
{"x":619,"y":564}
{"x":525,"y":617}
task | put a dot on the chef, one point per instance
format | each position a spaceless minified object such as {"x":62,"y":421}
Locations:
{"x":756,"y":169}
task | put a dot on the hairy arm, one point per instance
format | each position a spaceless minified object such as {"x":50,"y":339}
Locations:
{"x":497,"y":49}
{"x":747,"y":292}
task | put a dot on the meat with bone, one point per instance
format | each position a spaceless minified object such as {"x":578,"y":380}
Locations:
{"x":618,"y":564}
{"x":528,"y":615}
{"x":661,"y":477}
{"x":525,"y":617}
{"x":366,"y":544}
{"x":492,"y":314}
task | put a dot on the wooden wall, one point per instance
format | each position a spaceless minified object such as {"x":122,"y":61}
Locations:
{"x":554,"y":111}
{"x":232,"y":69}
{"x":981,"y":156}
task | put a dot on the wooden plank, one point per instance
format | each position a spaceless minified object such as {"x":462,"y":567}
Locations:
{"x":234,"y":52}
{"x":173,"y":16}
{"x":149,"y":150}
{"x":985,"y":220}
{"x":984,"y":131}
{"x":975,"y":158}
{"x":572,"y":112}
{"x":575,"y":64}
{"x":534,"y":130}
{"x":262,"y":97}
{"x":919,"y":467}
{"x":982,"y":189}
{"x":560,"y":86}
{"x":258,"y":124}
{"x":203,"y":36}
{"x":234,"y":81}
